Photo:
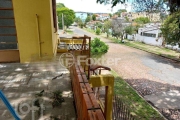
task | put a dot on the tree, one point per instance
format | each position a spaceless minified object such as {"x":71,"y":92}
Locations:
{"x":127,"y":19}
{"x":120,"y":11}
{"x":93,"y":17}
{"x":98,"y":31}
{"x":118,"y":28}
{"x":174,"y":5}
{"x":60,"y":5}
{"x":113,"y":2}
{"x":149,"y":6}
{"x":68,"y":14}
{"x":129,"y":30}
{"x":99,"y":25}
{"x":110,"y":15}
{"x":142,"y":20}
{"x":88,"y":19}
{"x":171,"y":29}
{"x":107,"y":26}
{"x":79,"y":21}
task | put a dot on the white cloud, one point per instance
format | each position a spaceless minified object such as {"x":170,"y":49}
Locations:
{"x":91,"y":6}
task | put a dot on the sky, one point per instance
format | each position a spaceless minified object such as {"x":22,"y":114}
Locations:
{"x":92,"y":6}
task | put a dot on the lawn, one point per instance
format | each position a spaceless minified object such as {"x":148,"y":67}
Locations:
{"x":69,"y":31}
{"x":136,"y":104}
{"x":148,"y":48}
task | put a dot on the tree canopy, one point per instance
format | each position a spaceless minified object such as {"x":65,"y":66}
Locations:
{"x":94,"y":17}
{"x":113,"y":2}
{"x":120,"y":11}
{"x":142,"y":20}
{"x":60,"y":5}
{"x":118,"y":28}
{"x":88,"y":19}
{"x":171,"y":29}
{"x":147,"y":5}
{"x":68,"y":15}
{"x":78,"y":21}
{"x":129,"y":30}
{"x":107,"y":27}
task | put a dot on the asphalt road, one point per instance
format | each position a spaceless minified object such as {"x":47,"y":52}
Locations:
{"x":137,"y":64}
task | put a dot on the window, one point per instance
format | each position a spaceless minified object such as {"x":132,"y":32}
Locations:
{"x":149,"y":35}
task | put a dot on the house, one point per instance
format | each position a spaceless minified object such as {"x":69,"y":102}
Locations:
{"x":28,"y":30}
{"x":81,"y":15}
{"x":149,"y":34}
{"x":114,"y":17}
{"x":154,"y":17}
{"x":102,"y":17}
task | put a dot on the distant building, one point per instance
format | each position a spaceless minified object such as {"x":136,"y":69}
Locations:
{"x":102,"y":17}
{"x":149,"y":34}
{"x":114,"y":17}
{"x":154,"y":17}
{"x":81,"y":15}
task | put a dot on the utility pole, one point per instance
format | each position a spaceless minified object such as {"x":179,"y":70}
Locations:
{"x":63,"y":22}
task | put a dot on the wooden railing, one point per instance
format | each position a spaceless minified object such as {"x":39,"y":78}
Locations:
{"x":85,"y":101}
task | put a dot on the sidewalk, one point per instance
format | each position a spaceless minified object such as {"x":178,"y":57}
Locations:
{"x":21,"y":84}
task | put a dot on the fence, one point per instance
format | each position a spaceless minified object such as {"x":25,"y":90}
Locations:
{"x":120,"y":111}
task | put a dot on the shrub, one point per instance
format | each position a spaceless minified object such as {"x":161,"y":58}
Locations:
{"x":98,"y":47}
{"x":98,"y":31}
{"x":81,"y":25}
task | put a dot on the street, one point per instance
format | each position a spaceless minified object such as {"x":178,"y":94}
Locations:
{"x":137,"y":64}
{"x":155,"y":78}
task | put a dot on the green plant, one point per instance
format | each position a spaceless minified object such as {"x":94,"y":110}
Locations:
{"x":98,"y":31}
{"x":68,"y":16}
{"x":81,"y":25}
{"x":93,"y":17}
{"x":98,"y":47}
{"x":171,"y":29}
{"x":57,"y":98}
{"x":142,"y":20}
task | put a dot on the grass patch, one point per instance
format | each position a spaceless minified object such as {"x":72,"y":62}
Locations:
{"x":69,"y":31}
{"x":89,"y":30}
{"x":137,"y":105}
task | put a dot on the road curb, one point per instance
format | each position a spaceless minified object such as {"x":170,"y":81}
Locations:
{"x":164,"y":56}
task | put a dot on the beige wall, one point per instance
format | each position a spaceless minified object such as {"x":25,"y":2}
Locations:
{"x":27,"y":28}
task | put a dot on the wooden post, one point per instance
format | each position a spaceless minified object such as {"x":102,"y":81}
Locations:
{"x":108,"y":82}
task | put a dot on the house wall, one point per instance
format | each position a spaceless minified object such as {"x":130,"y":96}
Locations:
{"x":83,"y":16}
{"x":34,"y":44}
{"x":147,"y":40}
